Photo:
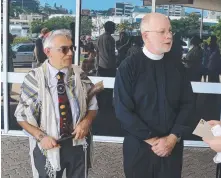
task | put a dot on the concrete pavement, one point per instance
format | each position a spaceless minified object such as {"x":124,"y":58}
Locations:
{"x":107,"y":160}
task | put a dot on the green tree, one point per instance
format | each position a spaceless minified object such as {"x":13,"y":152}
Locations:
{"x":86,"y":25}
{"x":58,"y":23}
{"x":216,"y":29}
{"x":14,"y":10}
{"x":124,"y":26}
{"x":186,"y":26}
{"x":21,"y":40}
{"x":36,"y":26}
{"x":52,"y":24}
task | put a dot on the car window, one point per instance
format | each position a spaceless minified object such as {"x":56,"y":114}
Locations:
{"x":26,"y":48}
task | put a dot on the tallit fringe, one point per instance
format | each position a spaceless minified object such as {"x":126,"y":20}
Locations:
{"x":49,"y":169}
{"x":51,"y":172}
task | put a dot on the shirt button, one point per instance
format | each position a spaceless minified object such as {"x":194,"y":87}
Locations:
{"x":62,"y":106}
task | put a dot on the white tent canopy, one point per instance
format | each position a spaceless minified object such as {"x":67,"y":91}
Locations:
{"x":213,"y":5}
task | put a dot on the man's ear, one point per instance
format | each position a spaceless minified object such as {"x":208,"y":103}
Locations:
{"x":144,"y":36}
{"x":47,"y":51}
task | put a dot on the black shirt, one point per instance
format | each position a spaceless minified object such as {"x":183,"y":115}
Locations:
{"x":153,"y":98}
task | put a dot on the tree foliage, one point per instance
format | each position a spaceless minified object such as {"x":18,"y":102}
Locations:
{"x":127,"y":26}
{"x":52,"y":24}
{"x":86,"y":25}
{"x":21,"y":40}
{"x":62,"y":23}
{"x":186,"y":26}
{"x":217,"y":31}
{"x":16,"y":8}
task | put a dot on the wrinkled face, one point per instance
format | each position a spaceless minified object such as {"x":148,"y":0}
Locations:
{"x":61,"y":53}
{"x":158,"y":36}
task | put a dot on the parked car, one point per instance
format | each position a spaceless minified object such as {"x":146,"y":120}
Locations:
{"x":23,"y":54}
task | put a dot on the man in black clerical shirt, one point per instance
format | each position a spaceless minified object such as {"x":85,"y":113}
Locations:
{"x":154,"y":102}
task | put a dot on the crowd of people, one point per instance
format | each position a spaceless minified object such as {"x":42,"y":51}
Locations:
{"x":104,"y":56}
{"x":203,"y":60}
{"x":153,"y":100}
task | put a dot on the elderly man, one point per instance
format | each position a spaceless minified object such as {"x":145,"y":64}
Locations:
{"x":54,"y":105}
{"x":154,"y":102}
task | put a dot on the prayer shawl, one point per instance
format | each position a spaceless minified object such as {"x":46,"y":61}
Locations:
{"x":36,"y":107}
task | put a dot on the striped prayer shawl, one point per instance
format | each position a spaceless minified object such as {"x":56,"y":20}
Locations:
{"x":36,"y":107}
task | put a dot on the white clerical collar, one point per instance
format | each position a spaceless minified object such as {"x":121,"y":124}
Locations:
{"x":151,"y":55}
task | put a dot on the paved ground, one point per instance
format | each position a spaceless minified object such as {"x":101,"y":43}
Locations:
{"x":108,"y":160}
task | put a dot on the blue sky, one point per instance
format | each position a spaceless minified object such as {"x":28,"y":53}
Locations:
{"x":95,"y":4}
{"x":89,"y":4}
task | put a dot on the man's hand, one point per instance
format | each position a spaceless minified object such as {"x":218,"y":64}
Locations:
{"x":214,"y":122}
{"x":151,"y":140}
{"x":164,"y":146}
{"x":214,"y":143}
{"x":82,"y":129}
{"x":48,"y":143}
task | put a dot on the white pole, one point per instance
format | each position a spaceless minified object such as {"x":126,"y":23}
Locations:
{"x":5,"y":64}
{"x":153,"y":5}
{"x":77,"y":32}
{"x":201,"y":25}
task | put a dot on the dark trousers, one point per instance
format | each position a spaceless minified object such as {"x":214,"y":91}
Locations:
{"x":72,"y":158}
{"x":106,"y":72}
{"x":141,"y":162}
{"x":218,"y":171}
{"x":213,"y":77}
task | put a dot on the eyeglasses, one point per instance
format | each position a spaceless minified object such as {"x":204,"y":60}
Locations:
{"x":163,"y":32}
{"x":65,"y":49}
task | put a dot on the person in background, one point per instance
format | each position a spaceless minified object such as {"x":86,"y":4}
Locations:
{"x":214,"y":64}
{"x":11,"y":53}
{"x":106,"y":59}
{"x":155,"y":104}
{"x":194,"y":59}
{"x":72,"y":29}
{"x":88,"y":65}
{"x":136,"y":45}
{"x":11,"y":56}
{"x":177,"y":47}
{"x":39,"y":53}
{"x":205,"y":60}
{"x":215,"y":144}
{"x":88,"y":47}
{"x":122,"y":46}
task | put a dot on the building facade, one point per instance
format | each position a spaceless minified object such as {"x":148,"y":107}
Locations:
{"x":123,"y":9}
{"x":173,"y":10}
{"x":214,"y":15}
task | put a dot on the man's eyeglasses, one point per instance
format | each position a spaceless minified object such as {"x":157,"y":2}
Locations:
{"x":65,"y":49}
{"x":163,"y":32}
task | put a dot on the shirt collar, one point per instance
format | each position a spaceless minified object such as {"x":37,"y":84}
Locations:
{"x":53,"y":71}
{"x":151,"y":55}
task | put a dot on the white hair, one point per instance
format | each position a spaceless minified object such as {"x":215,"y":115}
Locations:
{"x":47,"y":42}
